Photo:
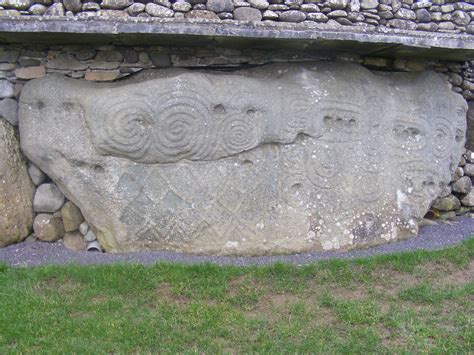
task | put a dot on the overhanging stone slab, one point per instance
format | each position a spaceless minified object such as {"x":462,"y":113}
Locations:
{"x":318,"y":38}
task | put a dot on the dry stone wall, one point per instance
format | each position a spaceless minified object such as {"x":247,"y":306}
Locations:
{"x":425,"y":15}
{"x":55,"y":217}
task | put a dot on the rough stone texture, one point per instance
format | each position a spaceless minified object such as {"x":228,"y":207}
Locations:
{"x":220,"y":5}
{"x":16,"y":190}
{"x":158,"y":10}
{"x":30,"y":72}
{"x":72,"y":216}
{"x":448,"y":203}
{"x":36,"y":175}
{"x":463,"y":185}
{"x":74,"y":241}
{"x":9,"y":110}
{"x":7,"y":89}
{"x":247,"y":163}
{"x":48,"y":198}
{"x":247,"y":14}
{"x":48,"y":228}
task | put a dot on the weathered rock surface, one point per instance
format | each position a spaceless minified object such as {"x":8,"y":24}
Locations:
{"x":48,"y":228}
{"x":48,"y":198}
{"x":247,"y":163}
{"x":16,"y":189}
{"x":72,"y":217}
{"x":74,"y":241}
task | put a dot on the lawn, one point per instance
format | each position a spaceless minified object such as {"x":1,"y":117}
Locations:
{"x":410,"y":302}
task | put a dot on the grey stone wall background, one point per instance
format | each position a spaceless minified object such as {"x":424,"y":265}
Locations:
{"x":57,"y":218}
{"x":423,"y":15}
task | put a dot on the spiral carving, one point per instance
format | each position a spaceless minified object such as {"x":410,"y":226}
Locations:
{"x":126,"y":128}
{"x":239,"y":134}
{"x":183,"y":128}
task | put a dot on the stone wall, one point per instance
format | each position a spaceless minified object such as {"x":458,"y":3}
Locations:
{"x":426,"y":15}
{"x":55,"y":217}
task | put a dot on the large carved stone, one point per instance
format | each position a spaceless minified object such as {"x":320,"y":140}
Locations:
{"x":276,"y":159}
{"x":16,"y":189}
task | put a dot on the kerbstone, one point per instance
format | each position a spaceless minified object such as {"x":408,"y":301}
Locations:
{"x":16,"y":190}
{"x":250,"y":162}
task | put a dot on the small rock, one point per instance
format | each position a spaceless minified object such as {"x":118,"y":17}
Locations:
{"x":84,"y":228}
{"x":421,"y":5}
{"x":447,"y":8}
{"x":270,"y":15}
{"x":164,"y":3}
{"x":468,"y":200}
{"x":405,"y":14}
{"x":463,"y":185}
{"x":48,"y":228}
{"x":317,"y":17}
{"x":72,"y":216}
{"x":16,"y":4}
{"x":89,"y":236}
{"x":337,"y":4}
{"x":74,"y":241}
{"x":7,"y":56}
{"x":259,"y":4}
{"x":7,"y":89}
{"x":337,"y":13}
{"x":369,"y":4}
{"x":37,"y":9}
{"x":109,"y":56}
{"x":448,"y":203}
{"x":30,"y":72}
{"x":36,"y":175}
{"x":158,"y":10}
{"x":48,"y":198}
{"x":91,"y":6}
{"x":65,"y":62}
{"x":292,"y":16}
{"x":423,"y":15}
{"x":247,"y":14}
{"x":102,"y":75}
{"x":115,"y":4}
{"x":9,"y":110}
{"x":220,"y":5}
{"x":135,"y":8}
{"x":461,"y":18}
{"x":354,"y":5}
{"x":72,"y":5}
{"x":182,"y":6}
{"x":57,"y":9}
{"x":309,"y":8}
{"x":447,"y":26}
{"x":469,"y":170}
{"x":458,"y":173}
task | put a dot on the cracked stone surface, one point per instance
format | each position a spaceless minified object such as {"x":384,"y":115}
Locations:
{"x":275,"y":159}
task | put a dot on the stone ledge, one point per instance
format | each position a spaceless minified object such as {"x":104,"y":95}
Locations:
{"x":381,"y":41}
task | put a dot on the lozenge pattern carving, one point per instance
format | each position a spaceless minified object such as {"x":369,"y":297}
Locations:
{"x":282,"y":158}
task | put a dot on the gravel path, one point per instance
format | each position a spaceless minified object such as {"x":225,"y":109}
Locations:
{"x":38,"y":253}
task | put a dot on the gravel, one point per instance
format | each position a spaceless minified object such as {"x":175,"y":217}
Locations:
{"x":431,"y":237}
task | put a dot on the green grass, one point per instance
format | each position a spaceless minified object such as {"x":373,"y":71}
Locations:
{"x":412,"y":302}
